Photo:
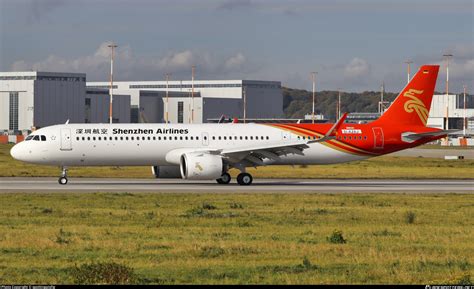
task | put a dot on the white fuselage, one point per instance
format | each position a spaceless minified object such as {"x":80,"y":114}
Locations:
{"x":155,"y":144}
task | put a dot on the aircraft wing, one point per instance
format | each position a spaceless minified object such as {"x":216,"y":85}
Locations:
{"x":254,"y":155}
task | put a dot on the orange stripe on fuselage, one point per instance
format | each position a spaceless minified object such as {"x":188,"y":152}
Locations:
{"x":335,"y":144}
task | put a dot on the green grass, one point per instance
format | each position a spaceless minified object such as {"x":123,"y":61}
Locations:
{"x":236,"y":238}
{"x":379,"y":167}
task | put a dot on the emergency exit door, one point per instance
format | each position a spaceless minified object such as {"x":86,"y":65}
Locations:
{"x":378,"y":137}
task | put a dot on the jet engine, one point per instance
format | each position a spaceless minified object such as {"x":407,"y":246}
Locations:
{"x":166,"y":172}
{"x":201,"y":166}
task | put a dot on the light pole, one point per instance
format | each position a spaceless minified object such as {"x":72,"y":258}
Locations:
{"x":447,"y":90}
{"x":192,"y":94}
{"x":111,"y":90}
{"x":166,"y":104}
{"x":464,"y":113}
{"x":245,"y":102}
{"x":339,"y":104}
{"x":408,"y":62}
{"x":313,"y":76}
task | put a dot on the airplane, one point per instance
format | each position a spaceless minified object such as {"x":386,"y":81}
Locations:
{"x":208,"y":151}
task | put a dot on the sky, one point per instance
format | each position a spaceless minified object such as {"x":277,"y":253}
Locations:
{"x":352,"y":45}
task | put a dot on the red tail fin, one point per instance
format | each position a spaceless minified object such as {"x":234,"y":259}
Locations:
{"x":412,"y":105}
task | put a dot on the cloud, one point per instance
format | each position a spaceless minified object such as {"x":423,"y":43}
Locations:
{"x":235,"y":61}
{"x":235,"y":4}
{"x":130,"y":67}
{"x":37,"y":10}
{"x":357,"y":68}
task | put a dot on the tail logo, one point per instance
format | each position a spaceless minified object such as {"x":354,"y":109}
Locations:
{"x":415,"y":104}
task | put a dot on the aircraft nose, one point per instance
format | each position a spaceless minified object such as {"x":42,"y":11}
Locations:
{"x":16,"y":153}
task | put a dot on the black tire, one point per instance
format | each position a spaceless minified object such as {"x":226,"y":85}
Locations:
{"x":244,"y":179}
{"x":224,"y":179}
{"x":62,"y":180}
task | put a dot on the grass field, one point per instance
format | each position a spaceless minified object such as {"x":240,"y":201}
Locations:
{"x":379,"y":167}
{"x":238,"y":238}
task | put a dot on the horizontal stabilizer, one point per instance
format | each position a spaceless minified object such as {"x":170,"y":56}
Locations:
{"x":417,"y":136}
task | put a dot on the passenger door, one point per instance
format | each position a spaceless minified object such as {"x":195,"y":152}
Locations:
{"x":66,"y":143}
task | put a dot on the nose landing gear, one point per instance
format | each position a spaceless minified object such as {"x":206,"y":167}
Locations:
{"x":63,"y":178}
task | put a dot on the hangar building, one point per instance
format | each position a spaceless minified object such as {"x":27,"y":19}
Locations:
{"x":37,"y":99}
{"x":264,"y":99}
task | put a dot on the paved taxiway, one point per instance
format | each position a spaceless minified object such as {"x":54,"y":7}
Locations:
{"x":260,"y":185}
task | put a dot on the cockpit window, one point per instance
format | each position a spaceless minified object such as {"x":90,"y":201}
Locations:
{"x":29,"y":137}
{"x":37,"y":137}
{"x":43,"y":138}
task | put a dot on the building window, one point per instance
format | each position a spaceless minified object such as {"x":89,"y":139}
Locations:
{"x":180,"y":111}
{"x":13,"y":124}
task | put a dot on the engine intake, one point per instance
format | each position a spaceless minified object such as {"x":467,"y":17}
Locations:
{"x":201,"y":166}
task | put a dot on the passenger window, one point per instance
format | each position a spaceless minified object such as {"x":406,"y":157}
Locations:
{"x":175,"y":138}
{"x":241,"y":137}
{"x":77,"y":138}
{"x":100,"y":138}
{"x":197,"y":138}
{"x":150,"y":138}
{"x":88,"y":138}
{"x":251,"y":137}
{"x":205,"y":138}
{"x":225,"y":138}
{"x":246,"y":137}
{"x":345,"y":137}
{"x":121,"y":138}
{"x":93,"y":138}
{"x":143,"y":138}
{"x":365,"y":137}
{"x":83,"y":138}
{"x":268,"y":137}
{"x":191,"y":137}
{"x":219,"y":138}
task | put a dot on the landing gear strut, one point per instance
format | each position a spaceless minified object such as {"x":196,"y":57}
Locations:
{"x":224,"y":179}
{"x":244,"y":179}
{"x":63,"y":178}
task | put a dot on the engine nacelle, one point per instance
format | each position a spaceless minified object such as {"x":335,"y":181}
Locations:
{"x":201,"y":166}
{"x":166,"y":172}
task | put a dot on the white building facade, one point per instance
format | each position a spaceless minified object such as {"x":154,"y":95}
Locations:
{"x":451,"y":106}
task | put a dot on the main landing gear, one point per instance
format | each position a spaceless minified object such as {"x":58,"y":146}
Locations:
{"x":63,"y":178}
{"x":243,"y":179}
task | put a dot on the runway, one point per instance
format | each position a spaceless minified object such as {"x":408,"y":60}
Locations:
{"x":32,"y":185}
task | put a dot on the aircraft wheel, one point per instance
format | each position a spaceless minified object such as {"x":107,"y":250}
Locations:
{"x":224,"y":179}
{"x":244,"y":179}
{"x":62,"y":180}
